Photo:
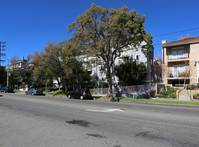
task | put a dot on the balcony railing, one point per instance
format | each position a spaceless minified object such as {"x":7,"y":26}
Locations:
{"x":185,"y":56}
{"x":179,"y":75}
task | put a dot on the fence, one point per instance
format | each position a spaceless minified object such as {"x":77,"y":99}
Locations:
{"x":125,"y":91}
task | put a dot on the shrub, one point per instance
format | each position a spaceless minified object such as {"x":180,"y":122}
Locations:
{"x":170,"y":93}
{"x":171,"y":89}
{"x":196,"y":96}
{"x":191,"y":87}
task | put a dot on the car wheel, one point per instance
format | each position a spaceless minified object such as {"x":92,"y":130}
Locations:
{"x":26,"y":94}
{"x":69,"y":96}
{"x":81,"y":97}
{"x":32,"y":93}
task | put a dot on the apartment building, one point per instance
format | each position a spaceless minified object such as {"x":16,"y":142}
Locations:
{"x":19,"y":64}
{"x":97,"y":69}
{"x":96,"y":65}
{"x":180,"y":61}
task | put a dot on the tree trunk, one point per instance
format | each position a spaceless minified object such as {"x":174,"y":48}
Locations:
{"x":66,"y":88}
{"x":59,"y":83}
{"x":109,"y":80}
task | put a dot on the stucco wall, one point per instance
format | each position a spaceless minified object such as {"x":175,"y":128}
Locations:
{"x":193,"y":51}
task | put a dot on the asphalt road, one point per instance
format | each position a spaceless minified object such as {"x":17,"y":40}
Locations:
{"x":42,"y":121}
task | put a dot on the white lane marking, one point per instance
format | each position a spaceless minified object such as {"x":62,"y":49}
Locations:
{"x":104,"y":110}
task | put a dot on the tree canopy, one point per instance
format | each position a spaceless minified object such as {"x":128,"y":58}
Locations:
{"x":58,"y":61}
{"x":19,"y":76}
{"x":106,"y":33}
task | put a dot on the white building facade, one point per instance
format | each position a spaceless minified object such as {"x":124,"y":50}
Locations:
{"x":96,"y":65}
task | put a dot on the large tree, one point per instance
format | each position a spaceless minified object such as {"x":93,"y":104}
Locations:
{"x":21,"y":76}
{"x":106,"y":33}
{"x":58,"y":61}
{"x":37,"y":66}
{"x":14,"y":78}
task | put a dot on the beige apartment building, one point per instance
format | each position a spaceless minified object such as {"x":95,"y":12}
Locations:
{"x":180,"y":61}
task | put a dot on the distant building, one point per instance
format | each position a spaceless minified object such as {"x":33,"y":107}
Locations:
{"x":19,"y":64}
{"x":181,"y":61}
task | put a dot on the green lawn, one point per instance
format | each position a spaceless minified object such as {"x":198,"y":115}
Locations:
{"x":55,"y":93}
{"x":156,"y":101}
{"x":160,"y":101}
{"x":16,"y":90}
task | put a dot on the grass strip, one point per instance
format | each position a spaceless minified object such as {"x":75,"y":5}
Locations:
{"x":16,"y":90}
{"x":155,"y":101}
{"x":160,"y":101}
{"x":54,"y":93}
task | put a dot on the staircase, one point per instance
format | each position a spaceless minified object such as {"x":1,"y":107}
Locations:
{"x":184,"y":95}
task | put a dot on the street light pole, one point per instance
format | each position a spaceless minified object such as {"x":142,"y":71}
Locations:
{"x":7,"y":71}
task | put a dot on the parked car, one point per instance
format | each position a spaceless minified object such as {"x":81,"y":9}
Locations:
{"x":34,"y":91}
{"x":81,"y":94}
{"x":6,"y":89}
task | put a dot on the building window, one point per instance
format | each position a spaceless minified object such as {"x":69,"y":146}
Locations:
{"x":178,"y":69}
{"x":177,"y":53}
{"x":138,"y":57}
{"x":125,"y":59}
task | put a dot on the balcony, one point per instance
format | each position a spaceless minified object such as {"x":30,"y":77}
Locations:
{"x":180,"y":75}
{"x":184,"y":57}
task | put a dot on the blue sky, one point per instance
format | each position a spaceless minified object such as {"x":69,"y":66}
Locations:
{"x":27,"y":26}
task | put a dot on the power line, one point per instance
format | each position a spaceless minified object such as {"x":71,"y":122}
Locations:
{"x":191,"y":29}
{"x":176,"y":32}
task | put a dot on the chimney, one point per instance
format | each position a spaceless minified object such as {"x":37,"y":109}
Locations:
{"x":164,"y":41}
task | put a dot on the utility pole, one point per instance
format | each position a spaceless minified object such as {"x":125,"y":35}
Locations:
{"x":8,"y":68}
{"x":2,"y":48}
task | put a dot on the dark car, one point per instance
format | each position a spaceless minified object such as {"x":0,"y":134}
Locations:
{"x":81,"y":94}
{"x":34,"y":91}
{"x":6,"y":89}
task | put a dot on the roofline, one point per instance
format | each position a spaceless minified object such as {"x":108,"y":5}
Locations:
{"x":180,"y":43}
